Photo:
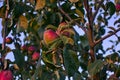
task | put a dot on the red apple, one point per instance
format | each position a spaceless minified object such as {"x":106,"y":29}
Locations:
{"x":117,"y":7}
{"x":24,"y":48}
{"x":31,"y":49}
{"x":8,"y":40}
{"x":35,"y":56}
{"x":6,"y":75}
{"x":49,"y":36}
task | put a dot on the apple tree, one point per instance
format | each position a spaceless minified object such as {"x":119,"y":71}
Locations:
{"x":48,"y":46}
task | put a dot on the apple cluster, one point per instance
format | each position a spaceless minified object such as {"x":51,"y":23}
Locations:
{"x":63,"y":29}
{"x":31,"y":51}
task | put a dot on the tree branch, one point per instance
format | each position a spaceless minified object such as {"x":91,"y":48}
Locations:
{"x":63,"y":12}
{"x":107,"y":36}
{"x":5,"y":26}
{"x":94,"y":15}
{"x":90,"y":31}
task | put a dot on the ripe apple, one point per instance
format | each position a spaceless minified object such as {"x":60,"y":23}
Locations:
{"x":6,"y":75}
{"x":117,"y":7}
{"x":8,"y":40}
{"x":31,"y":49}
{"x":35,"y":56}
{"x":49,"y":36}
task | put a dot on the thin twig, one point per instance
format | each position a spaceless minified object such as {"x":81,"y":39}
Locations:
{"x":94,"y":15}
{"x":63,"y":12}
{"x":107,"y":36}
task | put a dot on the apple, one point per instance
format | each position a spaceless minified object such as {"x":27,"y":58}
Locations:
{"x":31,"y":49}
{"x":8,"y":40}
{"x":117,"y":7}
{"x":64,"y":29}
{"x":24,"y":48}
{"x":49,"y":36}
{"x":35,"y":56}
{"x":6,"y":75}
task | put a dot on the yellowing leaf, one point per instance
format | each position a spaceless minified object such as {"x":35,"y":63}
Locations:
{"x":116,"y":1}
{"x":23,"y":22}
{"x":79,"y":13}
{"x":31,"y":1}
{"x":36,"y":27}
{"x":70,"y":41}
{"x":16,"y":66}
{"x":52,"y":1}
{"x":67,"y":40}
{"x":40,"y":4}
{"x":2,"y":12}
{"x":73,"y":1}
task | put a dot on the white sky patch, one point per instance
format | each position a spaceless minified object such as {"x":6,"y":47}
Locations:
{"x":79,"y":30}
{"x":10,"y":56}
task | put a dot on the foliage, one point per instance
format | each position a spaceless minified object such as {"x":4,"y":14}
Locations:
{"x":70,"y":55}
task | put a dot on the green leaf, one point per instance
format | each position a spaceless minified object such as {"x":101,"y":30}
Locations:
{"x":67,"y":7}
{"x":79,"y":13}
{"x":47,"y":60}
{"x":114,"y":57}
{"x":19,"y":58}
{"x":67,"y":40}
{"x":84,"y":41}
{"x":62,"y":75}
{"x":95,"y":67}
{"x":77,"y":76}
{"x":110,"y":7}
{"x":55,"y":43}
{"x":51,"y":27}
{"x":71,"y":62}
{"x":19,"y":9}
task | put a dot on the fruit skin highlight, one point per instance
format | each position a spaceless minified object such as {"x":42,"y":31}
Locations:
{"x":8,"y":40}
{"x":6,"y":75}
{"x":35,"y":56}
{"x":49,"y":36}
{"x":117,"y":7}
